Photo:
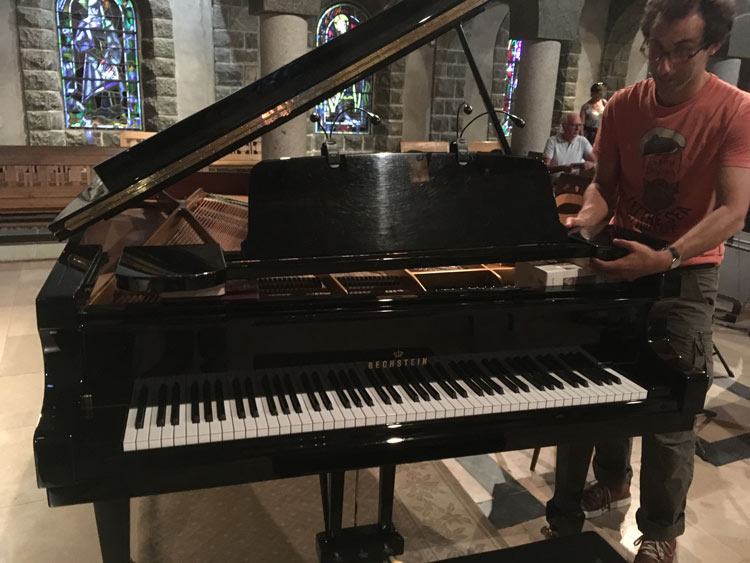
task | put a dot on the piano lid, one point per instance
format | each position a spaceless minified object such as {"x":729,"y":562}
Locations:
{"x":198,"y":140}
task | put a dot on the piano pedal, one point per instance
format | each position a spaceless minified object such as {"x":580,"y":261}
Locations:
{"x":364,"y":544}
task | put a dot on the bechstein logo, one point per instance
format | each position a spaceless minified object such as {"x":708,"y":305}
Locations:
{"x":397,"y":361}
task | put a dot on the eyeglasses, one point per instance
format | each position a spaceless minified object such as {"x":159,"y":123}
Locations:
{"x":679,"y":55}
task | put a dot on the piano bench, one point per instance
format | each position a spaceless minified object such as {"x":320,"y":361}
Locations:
{"x":587,"y":547}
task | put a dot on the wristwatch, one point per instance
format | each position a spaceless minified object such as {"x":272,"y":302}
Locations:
{"x":676,"y":258}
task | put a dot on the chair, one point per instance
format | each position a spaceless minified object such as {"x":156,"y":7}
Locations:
{"x":568,"y":205}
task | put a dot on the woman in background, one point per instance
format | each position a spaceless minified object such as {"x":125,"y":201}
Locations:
{"x":591,"y":112}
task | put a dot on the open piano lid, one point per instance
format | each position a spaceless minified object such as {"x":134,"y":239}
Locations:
{"x":200,"y":139}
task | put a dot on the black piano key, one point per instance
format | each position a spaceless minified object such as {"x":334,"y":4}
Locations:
{"x":174,"y":415}
{"x":349,"y":389}
{"x":423,"y":381}
{"x":339,"y":390}
{"x":221,"y":412}
{"x":269,"y":397}
{"x":499,"y":371}
{"x":551,"y":363}
{"x":239,"y":404}
{"x":505,"y":370}
{"x":475,"y":377}
{"x":530,"y":370}
{"x":481,"y":376}
{"x":309,"y":391}
{"x":438,"y":378}
{"x":386,"y":383}
{"x":518,"y":368}
{"x":409,"y":378}
{"x":292,"y":394}
{"x":250,"y":392}
{"x":195,"y":413}
{"x":451,"y":380}
{"x":546,"y":376}
{"x":280,"y":395}
{"x":594,"y":366}
{"x":399,"y":380}
{"x":357,"y":381}
{"x":575,"y":361}
{"x":208,"y":411}
{"x":140,"y":414}
{"x":161,"y":411}
{"x":321,"y":391}
{"x":459,"y":374}
{"x":377,"y":386}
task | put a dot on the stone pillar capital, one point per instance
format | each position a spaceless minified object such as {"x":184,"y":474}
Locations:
{"x":545,"y":19}
{"x":302,"y":8}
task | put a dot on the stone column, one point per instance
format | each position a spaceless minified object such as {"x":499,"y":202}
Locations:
{"x":535,"y":94}
{"x":726,"y":69}
{"x":283,"y":38}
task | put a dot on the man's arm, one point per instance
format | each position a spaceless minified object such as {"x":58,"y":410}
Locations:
{"x":598,"y":198}
{"x":732,"y":202}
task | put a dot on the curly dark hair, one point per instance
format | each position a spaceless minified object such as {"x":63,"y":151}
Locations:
{"x":718,"y":16}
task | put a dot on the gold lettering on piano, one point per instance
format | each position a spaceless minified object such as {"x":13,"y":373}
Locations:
{"x":391,"y":363}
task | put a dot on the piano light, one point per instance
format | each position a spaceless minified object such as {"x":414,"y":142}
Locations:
{"x":392,"y":426}
{"x":394,"y":440}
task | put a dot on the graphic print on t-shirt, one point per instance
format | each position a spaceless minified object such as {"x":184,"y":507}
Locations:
{"x":657,"y":210}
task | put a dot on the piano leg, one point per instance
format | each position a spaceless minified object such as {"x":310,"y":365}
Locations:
{"x":113,"y":526}
{"x":332,"y":493}
{"x":385,"y":505}
{"x":367,"y":544}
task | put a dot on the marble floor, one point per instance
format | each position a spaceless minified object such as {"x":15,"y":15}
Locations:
{"x":503,"y":487}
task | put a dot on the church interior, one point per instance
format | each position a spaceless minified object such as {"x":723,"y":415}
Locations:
{"x":120,"y":82}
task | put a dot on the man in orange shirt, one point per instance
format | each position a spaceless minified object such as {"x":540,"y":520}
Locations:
{"x":673,"y":156}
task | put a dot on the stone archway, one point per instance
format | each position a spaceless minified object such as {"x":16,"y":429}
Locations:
{"x":624,"y":28}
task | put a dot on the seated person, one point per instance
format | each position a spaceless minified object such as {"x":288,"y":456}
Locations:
{"x":568,"y":150}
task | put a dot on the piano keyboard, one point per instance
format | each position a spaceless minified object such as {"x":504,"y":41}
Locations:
{"x":178,"y":411}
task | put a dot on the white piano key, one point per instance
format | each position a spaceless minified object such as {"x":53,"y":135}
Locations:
{"x":142,"y":442}
{"x":128,"y":440}
{"x":227,"y":425}
{"x":316,"y":417}
{"x":180,"y":428}
{"x":238,"y":424}
{"x":271,"y":419}
{"x":154,"y":431}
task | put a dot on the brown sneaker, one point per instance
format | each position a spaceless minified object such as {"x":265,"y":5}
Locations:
{"x":598,"y":499}
{"x":655,"y":551}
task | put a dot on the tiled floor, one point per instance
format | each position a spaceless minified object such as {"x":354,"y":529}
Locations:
{"x":718,"y":512}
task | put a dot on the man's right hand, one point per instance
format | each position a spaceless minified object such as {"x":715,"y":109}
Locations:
{"x":593,"y":212}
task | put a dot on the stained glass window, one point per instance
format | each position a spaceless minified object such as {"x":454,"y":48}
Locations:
{"x":335,"y":21}
{"x":511,"y":79}
{"x":99,"y":63}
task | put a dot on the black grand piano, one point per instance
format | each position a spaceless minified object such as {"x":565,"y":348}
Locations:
{"x":362,"y":313}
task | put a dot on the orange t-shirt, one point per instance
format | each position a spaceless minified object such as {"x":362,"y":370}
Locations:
{"x":669,"y":157}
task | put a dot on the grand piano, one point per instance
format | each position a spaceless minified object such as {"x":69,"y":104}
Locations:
{"x":363,"y":312}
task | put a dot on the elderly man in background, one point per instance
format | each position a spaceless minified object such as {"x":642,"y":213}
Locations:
{"x":569,"y":150}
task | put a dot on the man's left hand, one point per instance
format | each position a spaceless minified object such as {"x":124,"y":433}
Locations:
{"x":640,"y":261}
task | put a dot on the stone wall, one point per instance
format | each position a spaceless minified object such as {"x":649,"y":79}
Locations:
{"x":40,"y":70}
{"x":567,"y":82}
{"x":451,"y":73}
{"x":624,"y":22}
{"x":236,"y":55}
{"x":42,"y":82}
